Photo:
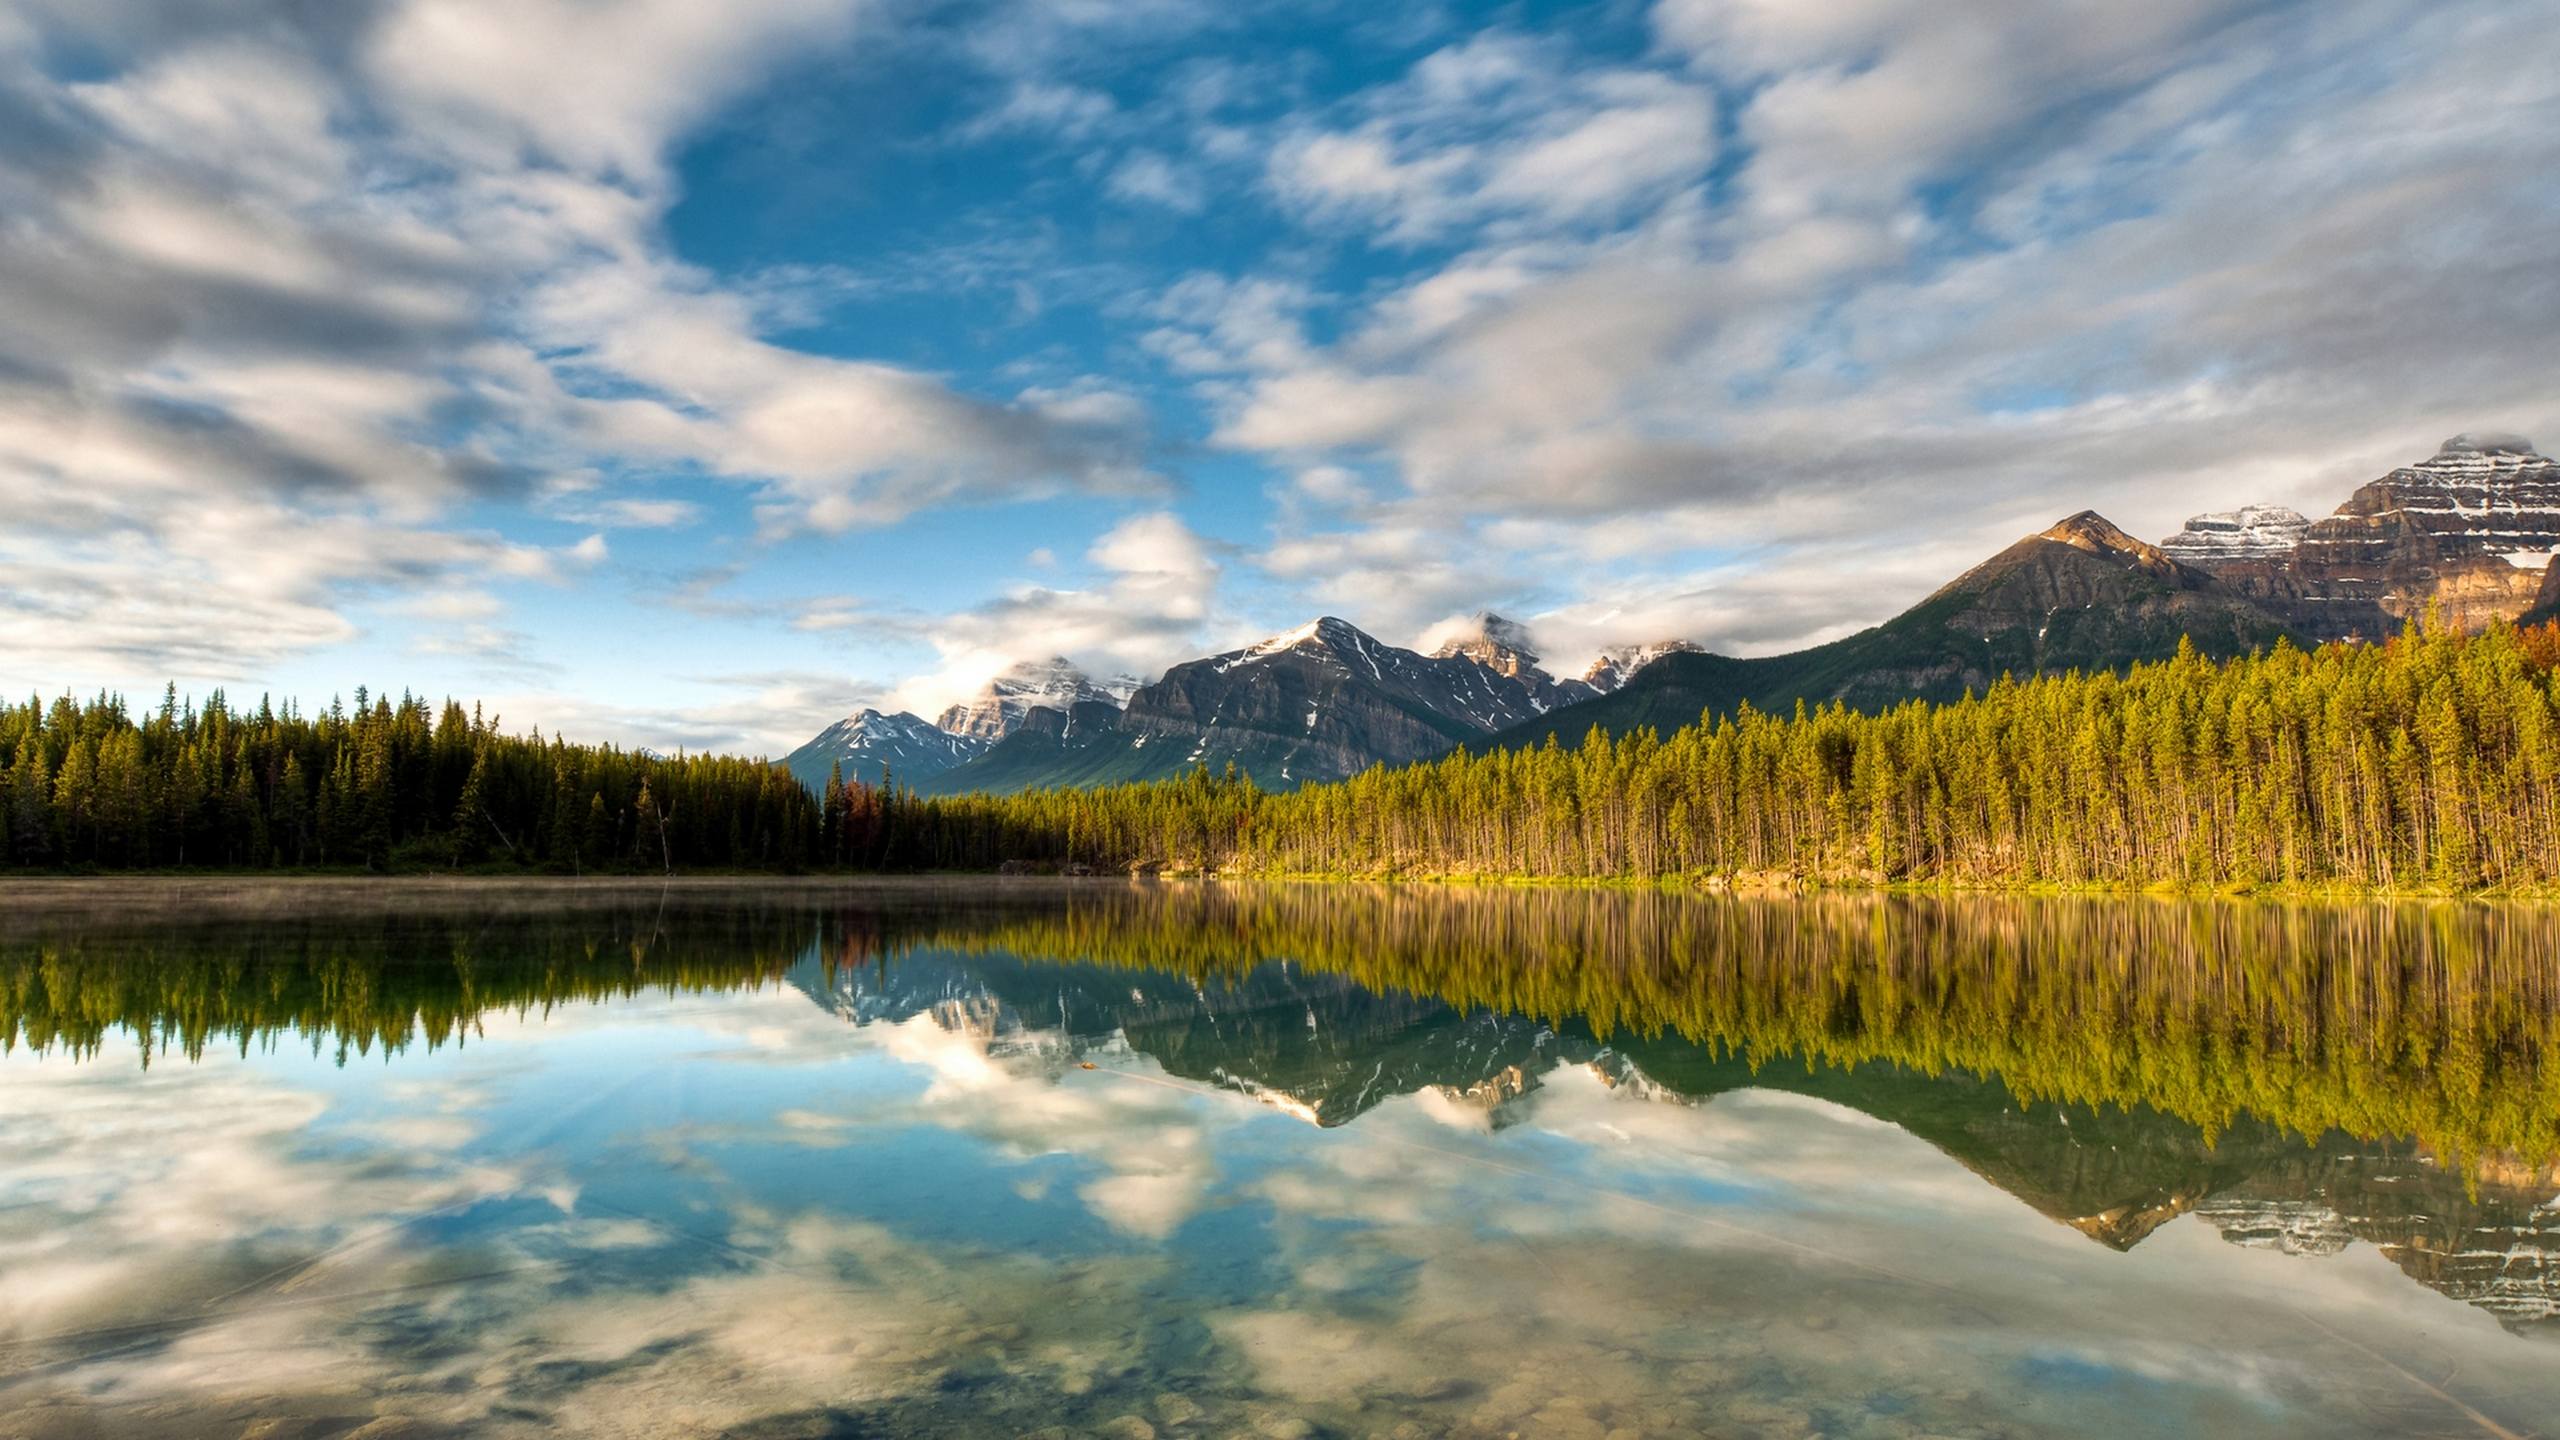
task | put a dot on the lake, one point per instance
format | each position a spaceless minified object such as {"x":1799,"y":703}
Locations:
{"x":1053,"y":1158}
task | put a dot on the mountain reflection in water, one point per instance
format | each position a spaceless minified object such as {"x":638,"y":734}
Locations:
{"x":633,"y":1149}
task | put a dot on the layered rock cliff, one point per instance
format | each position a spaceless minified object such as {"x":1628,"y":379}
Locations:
{"x":2467,"y":533}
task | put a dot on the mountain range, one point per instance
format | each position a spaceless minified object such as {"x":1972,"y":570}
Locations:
{"x":2466,"y":534}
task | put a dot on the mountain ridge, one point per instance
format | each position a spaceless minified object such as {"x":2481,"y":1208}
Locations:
{"x":864,"y":745}
{"x":2081,"y":594}
{"x":1318,"y":702}
{"x":1055,"y":684}
{"x":2468,"y":534}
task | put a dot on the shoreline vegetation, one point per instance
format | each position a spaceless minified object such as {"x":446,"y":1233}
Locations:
{"x":2438,"y":1023}
{"x":83,"y":887}
{"x":2425,"y":766}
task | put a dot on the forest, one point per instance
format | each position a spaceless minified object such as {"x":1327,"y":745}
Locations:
{"x":2429,"y":763}
{"x":380,"y":785}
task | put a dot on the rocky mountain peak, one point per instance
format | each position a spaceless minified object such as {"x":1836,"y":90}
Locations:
{"x":1500,"y":645}
{"x":1618,"y":664}
{"x":1080,"y":717}
{"x":2098,"y":535}
{"x":2467,"y":533}
{"x":1055,"y":684}
{"x":863,"y":744}
{"x":2488,"y":458}
{"x":2231,"y":537}
{"x":2095,"y":534}
{"x":871,"y":727}
{"x":1325,"y":635}
{"x":2492,"y":461}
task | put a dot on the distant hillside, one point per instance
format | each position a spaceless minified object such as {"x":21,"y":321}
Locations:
{"x":2468,"y":535}
{"x":1080,"y":746}
{"x":2083,"y":595}
{"x":867,"y":744}
{"x":1320,"y":702}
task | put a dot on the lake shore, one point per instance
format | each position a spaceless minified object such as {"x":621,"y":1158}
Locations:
{"x":179,"y":896}
{"x":223,"y":892}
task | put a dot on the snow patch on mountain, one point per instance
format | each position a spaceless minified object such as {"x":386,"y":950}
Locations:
{"x":1052,"y":684}
{"x":863,"y":744}
{"x":1328,"y":637}
{"x":2252,"y":532}
{"x":1500,"y":645}
{"x":1618,"y":664}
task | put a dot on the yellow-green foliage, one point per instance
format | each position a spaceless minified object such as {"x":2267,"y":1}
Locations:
{"x":2428,"y":763}
{"x":2435,"y":1020}
{"x":2425,"y":764}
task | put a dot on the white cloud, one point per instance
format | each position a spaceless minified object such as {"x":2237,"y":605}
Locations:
{"x":483,"y":75}
{"x":2207,"y":248}
{"x":1150,"y":177}
{"x":634,"y":514}
{"x":1331,"y":485}
{"x":1647,"y":135}
{"x":836,"y":444}
{"x":1047,"y":108}
{"x":1150,"y":607}
{"x":1498,"y":128}
{"x":294,"y":292}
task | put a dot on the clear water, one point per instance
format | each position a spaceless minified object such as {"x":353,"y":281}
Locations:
{"x":1218,"y":1160}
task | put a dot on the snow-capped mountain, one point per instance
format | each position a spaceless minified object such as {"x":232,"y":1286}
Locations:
{"x":1618,"y":664}
{"x":2227,"y":537}
{"x":1506,"y":648}
{"x":1322,"y":701}
{"x":1319,"y":702}
{"x":1499,"y":645}
{"x":1337,"y":659}
{"x":864,"y":743}
{"x":2468,"y":532}
{"x":1053,"y":684}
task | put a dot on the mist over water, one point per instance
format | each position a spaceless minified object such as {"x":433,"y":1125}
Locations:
{"x":1020,"y":1158}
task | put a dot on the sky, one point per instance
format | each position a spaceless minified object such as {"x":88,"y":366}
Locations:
{"x":689,"y":376}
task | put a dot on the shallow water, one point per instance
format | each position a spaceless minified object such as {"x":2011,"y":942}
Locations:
{"x":1031,"y":1158}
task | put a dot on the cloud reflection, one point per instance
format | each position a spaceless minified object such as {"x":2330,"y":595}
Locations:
{"x":700,"y":1214}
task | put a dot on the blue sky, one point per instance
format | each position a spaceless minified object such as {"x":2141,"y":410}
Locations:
{"x":692,"y":375}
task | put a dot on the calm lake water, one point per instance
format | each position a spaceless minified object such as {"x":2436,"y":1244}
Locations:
{"x":1032,"y":1158}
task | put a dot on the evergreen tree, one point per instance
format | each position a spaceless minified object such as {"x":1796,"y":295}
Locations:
{"x":2430,"y":761}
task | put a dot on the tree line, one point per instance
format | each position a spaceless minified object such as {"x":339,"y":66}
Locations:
{"x":2430,"y":762}
{"x":379,"y":785}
